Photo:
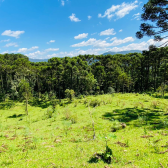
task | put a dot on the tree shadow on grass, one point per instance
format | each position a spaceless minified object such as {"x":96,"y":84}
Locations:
{"x":46,"y":103}
{"x":40,"y":103}
{"x":128,"y":115}
{"x":16,"y":116}
{"x":6,"y":105}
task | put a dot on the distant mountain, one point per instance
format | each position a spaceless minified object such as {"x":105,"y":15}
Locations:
{"x":122,"y":52}
{"x":109,"y":52}
{"x":38,"y":60}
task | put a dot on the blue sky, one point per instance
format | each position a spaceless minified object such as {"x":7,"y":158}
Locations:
{"x":57,"y":28}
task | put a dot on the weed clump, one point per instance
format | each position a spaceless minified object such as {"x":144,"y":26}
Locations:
{"x":68,"y":116}
{"x":95,"y":103}
{"x":116,"y":125}
{"x":106,"y":156}
{"x":154,"y":104}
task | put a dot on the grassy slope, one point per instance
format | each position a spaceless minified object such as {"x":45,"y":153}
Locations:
{"x":35,"y":141}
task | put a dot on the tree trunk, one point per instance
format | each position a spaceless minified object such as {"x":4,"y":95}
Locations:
{"x":26,"y":105}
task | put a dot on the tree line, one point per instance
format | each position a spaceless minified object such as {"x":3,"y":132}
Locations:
{"x":84,"y":74}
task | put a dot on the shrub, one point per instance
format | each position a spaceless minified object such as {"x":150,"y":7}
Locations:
{"x":62,"y":103}
{"x":95,"y":103}
{"x":111,"y":90}
{"x":70,"y":94}
{"x":80,"y":96}
{"x":73,"y":119}
{"x":50,"y":112}
{"x":154,"y":104}
{"x":116,"y":125}
{"x":67,"y":114}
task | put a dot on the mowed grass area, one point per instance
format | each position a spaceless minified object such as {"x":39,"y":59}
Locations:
{"x":66,"y":139}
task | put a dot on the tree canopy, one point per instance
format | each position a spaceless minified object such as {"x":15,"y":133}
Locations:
{"x":84,"y":74}
{"x":155,"y":12}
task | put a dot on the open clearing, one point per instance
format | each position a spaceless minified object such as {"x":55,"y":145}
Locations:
{"x":65,"y":138}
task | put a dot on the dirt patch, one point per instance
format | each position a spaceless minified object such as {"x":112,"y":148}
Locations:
{"x":121,"y":144}
{"x":146,"y":136}
{"x":163,"y":152}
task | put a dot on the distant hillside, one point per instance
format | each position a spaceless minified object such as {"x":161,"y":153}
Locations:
{"x":109,"y":52}
{"x":38,"y":60}
{"x":122,"y":52}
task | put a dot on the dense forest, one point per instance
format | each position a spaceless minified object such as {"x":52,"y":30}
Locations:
{"x":84,"y":74}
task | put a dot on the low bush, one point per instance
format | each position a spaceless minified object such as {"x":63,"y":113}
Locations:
{"x":95,"y":102}
{"x":116,"y":125}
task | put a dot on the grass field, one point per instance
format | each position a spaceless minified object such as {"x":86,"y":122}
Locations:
{"x":65,"y":138}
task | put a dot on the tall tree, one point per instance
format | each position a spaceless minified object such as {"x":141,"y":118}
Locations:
{"x":25,"y":90}
{"x":156,"y":12}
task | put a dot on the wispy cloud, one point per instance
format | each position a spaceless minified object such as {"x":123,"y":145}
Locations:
{"x":102,"y":43}
{"x":11,"y":45}
{"x":89,"y":17}
{"x":107,"y":32}
{"x":94,"y":33}
{"x":51,"y":49}
{"x":51,"y":41}
{"x":23,"y":50}
{"x":120,"y":30}
{"x":4,"y":40}
{"x":10,"y":33}
{"x":136,"y":16}
{"x":41,"y":53}
{"x":138,"y":46}
{"x":62,"y":2}
{"x":73,"y":18}
{"x":81,"y":36}
{"x":119,"y":10}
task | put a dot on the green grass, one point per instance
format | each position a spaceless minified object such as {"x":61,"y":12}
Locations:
{"x":38,"y":141}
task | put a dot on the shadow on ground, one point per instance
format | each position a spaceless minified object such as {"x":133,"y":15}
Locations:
{"x":17,"y":116}
{"x":153,"y":117}
{"x":6,"y":105}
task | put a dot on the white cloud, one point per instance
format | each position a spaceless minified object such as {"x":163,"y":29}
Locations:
{"x":34,"y":54}
{"x":119,"y":10}
{"x":51,"y":41}
{"x":4,"y":40}
{"x":62,"y":2}
{"x":137,"y":16}
{"x":138,"y":46}
{"x":15,"y":34}
{"x":51,"y":49}
{"x":121,"y":41}
{"x":107,"y":38}
{"x":120,"y":30}
{"x":102,"y":43}
{"x":11,"y":45}
{"x":73,"y":18}
{"x":94,"y":33}
{"x":107,"y":32}
{"x":41,"y":53}
{"x":95,"y":51}
{"x":89,"y":17}
{"x":5,"y":52}
{"x":23,"y":50}
{"x":81,"y":36}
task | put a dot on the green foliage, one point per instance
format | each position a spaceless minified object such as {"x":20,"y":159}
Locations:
{"x":50,"y":112}
{"x":116,"y":125}
{"x":95,"y":103}
{"x":70,"y":94}
{"x":155,"y":11}
{"x":107,"y":155}
{"x":162,"y":89}
{"x":111,"y":90}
